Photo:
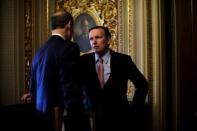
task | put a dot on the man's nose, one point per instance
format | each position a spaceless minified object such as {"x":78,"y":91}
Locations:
{"x":93,"y":41}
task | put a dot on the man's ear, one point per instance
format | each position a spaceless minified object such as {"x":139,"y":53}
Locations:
{"x":68,"y":24}
{"x":109,"y":40}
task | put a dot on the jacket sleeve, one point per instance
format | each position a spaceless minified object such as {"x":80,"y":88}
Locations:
{"x":140,"y":83}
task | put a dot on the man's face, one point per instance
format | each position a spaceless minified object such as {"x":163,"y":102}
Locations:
{"x":98,"y":41}
{"x":69,"y":31}
{"x":85,"y":27}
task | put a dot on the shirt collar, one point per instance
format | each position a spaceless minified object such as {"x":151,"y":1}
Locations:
{"x":58,"y":35}
{"x":104,"y":57}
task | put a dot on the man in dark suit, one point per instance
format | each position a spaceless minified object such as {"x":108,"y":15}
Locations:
{"x":53,"y":85}
{"x":106,"y":85}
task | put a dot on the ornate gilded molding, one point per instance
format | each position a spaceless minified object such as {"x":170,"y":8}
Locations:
{"x":126,"y":34}
{"x":131,"y":29}
{"x":102,"y":15}
{"x":120,"y":26}
{"x":27,"y":40}
{"x":149,"y":54}
{"x":126,"y":29}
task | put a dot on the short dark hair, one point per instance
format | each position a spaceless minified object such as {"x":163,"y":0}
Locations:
{"x":60,"y":19}
{"x":106,"y":30}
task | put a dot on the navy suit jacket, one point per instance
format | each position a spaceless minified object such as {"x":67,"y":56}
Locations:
{"x":52,"y":80}
{"x":112,"y":99}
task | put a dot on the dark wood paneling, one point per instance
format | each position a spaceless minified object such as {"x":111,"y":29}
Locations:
{"x":180,"y":35}
{"x":168,"y":46}
{"x":185,"y":14}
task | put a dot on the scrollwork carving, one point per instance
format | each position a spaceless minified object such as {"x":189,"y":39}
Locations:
{"x":27,"y":40}
{"x":104,"y":12}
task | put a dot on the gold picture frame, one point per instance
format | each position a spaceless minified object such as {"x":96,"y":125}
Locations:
{"x":102,"y":15}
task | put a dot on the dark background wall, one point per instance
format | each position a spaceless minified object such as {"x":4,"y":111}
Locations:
{"x":187,"y":51}
{"x":181,"y":65}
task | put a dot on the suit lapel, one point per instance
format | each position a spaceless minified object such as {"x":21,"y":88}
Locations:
{"x":92,"y":65}
{"x":112,"y":66}
{"x":113,"y":63}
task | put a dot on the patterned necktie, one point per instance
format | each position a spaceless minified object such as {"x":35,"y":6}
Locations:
{"x":101,"y":72}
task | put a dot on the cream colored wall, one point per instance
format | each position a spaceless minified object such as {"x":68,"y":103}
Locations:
{"x":150,"y":55}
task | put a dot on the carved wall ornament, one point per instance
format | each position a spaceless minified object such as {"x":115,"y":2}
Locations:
{"x":27,"y":40}
{"x":104,"y":12}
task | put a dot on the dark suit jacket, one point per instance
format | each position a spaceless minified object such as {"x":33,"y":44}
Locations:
{"x":111,"y":104}
{"x":53,"y":82}
{"x":53,"y":74}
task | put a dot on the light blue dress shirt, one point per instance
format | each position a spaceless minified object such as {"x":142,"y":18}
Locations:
{"x":106,"y":64}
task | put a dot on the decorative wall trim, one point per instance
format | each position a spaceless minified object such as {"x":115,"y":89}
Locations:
{"x":156,"y":67}
{"x":27,"y":40}
{"x":103,"y":15}
{"x":131,"y":30}
{"x":120,"y":26}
